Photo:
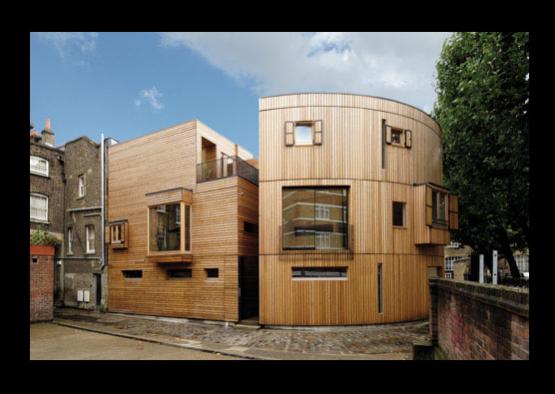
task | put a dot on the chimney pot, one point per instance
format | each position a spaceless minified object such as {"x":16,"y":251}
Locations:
{"x":47,"y":134}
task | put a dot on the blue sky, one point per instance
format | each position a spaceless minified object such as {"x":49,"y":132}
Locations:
{"x":130,"y":84}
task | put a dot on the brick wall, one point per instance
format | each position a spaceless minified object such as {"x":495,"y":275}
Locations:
{"x":473,"y":321}
{"x":41,"y":268}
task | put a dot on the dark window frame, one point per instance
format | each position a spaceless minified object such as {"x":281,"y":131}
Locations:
{"x":209,"y":273}
{"x":308,"y":273}
{"x":132,"y":274}
{"x":170,"y":273}
{"x":403,"y":206}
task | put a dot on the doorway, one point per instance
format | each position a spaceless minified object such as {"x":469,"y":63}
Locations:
{"x":248,"y":289}
{"x":98,"y":279}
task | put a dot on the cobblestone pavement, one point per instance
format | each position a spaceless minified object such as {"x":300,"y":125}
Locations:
{"x":391,"y":341}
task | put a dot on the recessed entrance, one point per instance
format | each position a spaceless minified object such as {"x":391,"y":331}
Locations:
{"x":248,"y":289}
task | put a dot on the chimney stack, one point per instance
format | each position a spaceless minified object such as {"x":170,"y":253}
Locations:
{"x":47,"y":134}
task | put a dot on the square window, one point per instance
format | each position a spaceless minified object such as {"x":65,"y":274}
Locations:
{"x":399,"y":214}
{"x":303,"y":134}
{"x":38,"y":166}
{"x":396,"y":136}
{"x":314,"y":218}
{"x":212,"y":272}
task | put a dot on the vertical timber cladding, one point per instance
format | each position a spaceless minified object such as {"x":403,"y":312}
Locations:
{"x":350,"y":155}
{"x":162,"y":161}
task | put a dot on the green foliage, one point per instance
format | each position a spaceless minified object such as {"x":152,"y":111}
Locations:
{"x":42,"y":237}
{"x":482,"y":108}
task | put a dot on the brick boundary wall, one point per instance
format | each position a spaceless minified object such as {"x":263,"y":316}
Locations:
{"x":474,"y":321}
{"x":41,"y":276}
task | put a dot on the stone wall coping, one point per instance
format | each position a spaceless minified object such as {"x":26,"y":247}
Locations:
{"x":512,"y":299}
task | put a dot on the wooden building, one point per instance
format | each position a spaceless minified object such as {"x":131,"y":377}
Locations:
{"x":353,"y":217}
{"x":183,"y":225}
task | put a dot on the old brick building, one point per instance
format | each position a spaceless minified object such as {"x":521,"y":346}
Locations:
{"x":46,"y":181}
{"x":82,"y":263}
{"x":65,"y":186}
{"x":41,"y":270}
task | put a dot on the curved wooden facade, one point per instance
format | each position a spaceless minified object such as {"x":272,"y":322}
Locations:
{"x":350,"y":148}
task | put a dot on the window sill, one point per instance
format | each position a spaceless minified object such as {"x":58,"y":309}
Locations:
{"x":400,"y":227}
{"x":39,"y":221}
{"x":38,"y":174}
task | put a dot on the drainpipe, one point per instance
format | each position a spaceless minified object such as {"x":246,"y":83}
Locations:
{"x":102,"y":177}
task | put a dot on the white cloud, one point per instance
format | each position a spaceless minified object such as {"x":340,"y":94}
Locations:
{"x":151,"y":96}
{"x":72,"y":44}
{"x":400,"y":66}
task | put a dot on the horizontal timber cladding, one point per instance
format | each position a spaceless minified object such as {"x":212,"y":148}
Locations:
{"x":160,"y":168}
{"x":350,"y":156}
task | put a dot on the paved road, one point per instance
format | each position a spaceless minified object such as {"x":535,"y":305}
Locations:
{"x":53,"y":342}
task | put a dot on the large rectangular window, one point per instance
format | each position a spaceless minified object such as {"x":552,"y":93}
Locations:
{"x":314,"y":218}
{"x":164,"y":228}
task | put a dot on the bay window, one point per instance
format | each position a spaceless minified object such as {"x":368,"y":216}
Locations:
{"x":166,"y":232}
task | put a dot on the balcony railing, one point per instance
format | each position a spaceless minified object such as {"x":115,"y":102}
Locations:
{"x":226,"y":167}
{"x":314,"y":240}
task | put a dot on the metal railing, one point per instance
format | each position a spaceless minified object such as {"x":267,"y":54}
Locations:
{"x":226,"y":167}
{"x":347,"y":244}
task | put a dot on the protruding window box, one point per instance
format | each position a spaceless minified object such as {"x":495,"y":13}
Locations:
{"x":169,"y":226}
{"x":436,"y":212}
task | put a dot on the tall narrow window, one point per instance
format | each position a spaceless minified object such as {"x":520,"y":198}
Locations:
{"x":89,"y":232}
{"x":439,"y":207}
{"x":399,"y":214}
{"x":39,"y":207}
{"x":380,"y":289}
{"x":81,"y":191}
{"x":70,"y":241}
{"x":187,"y":227}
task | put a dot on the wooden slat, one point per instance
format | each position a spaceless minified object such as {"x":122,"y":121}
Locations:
{"x":156,"y":169}
{"x":350,"y":155}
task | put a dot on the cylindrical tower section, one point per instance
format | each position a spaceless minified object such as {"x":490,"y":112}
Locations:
{"x":346,"y":188}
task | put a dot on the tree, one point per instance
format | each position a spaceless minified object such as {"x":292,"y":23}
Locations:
{"x":482,"y":108}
